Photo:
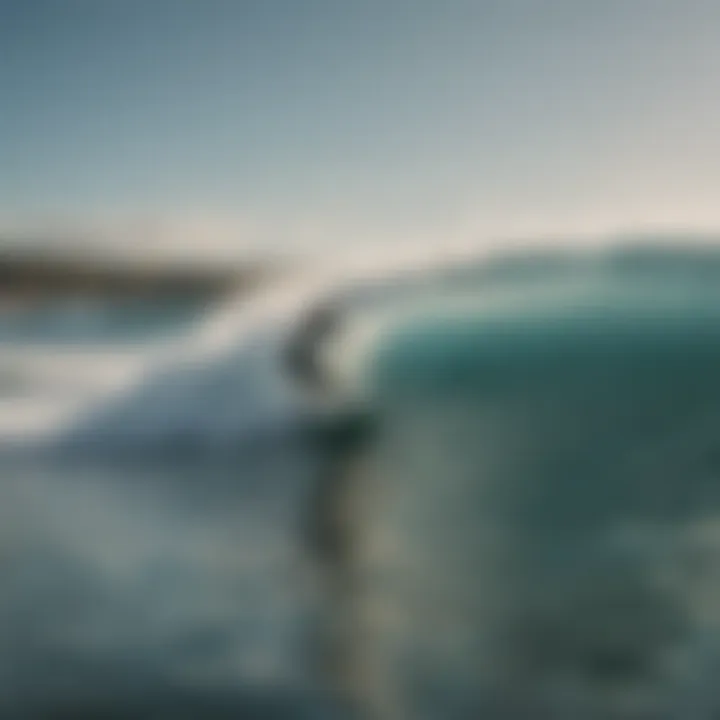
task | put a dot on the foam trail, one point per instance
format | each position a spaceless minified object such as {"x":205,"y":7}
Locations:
{"x":214,"y":383}
{"x":42,"y":389}
{"x":223,"y":380}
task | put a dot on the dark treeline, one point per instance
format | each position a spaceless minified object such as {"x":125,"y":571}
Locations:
{"x":30,"y":277}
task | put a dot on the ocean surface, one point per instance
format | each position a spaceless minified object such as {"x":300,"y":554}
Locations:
{"x":154,"y":481}
{"x":544,"y":534}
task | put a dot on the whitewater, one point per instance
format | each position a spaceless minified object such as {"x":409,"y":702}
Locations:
{"x":208,"y":382}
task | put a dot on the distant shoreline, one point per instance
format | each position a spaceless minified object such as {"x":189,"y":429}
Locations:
{"x":37,"y":277}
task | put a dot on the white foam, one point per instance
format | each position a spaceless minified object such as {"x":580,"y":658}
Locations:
{"x":219,"y":379}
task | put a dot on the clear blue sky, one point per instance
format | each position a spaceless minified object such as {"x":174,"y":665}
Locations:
{"x":346,"y":118}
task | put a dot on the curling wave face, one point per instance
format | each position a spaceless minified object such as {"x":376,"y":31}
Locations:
{"x":542,"y":500}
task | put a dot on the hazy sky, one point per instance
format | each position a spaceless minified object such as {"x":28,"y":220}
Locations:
{"x":337,"y":120}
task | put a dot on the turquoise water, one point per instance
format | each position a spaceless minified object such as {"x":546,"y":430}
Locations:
{"x":543,"y":532}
